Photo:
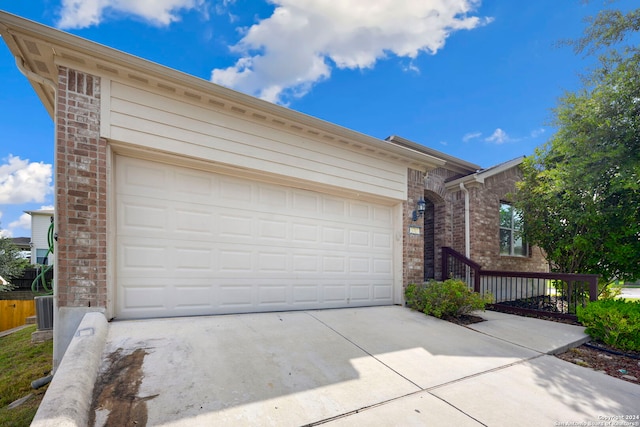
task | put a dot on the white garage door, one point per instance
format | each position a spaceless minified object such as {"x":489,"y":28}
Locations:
{"x":191,"y":242}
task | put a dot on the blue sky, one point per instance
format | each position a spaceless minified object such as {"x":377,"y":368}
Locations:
{"x":474,"y":79}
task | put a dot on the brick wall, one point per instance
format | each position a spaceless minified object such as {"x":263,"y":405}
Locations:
{"x":413,"y":245}
{"x":485,"y":225}
{"x":456,"y":206}
{"x":80,"y":187}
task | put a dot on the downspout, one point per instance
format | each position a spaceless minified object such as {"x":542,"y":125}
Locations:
{"x":33,"y":76}
{"x":467,"y":237}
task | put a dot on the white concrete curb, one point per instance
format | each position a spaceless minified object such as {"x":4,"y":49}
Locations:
{"x":68,"y":399}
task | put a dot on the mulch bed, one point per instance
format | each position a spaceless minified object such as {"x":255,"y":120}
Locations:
{"x":465,"y":319}
{"x":601,"y":357}
{"x":548,"y":303}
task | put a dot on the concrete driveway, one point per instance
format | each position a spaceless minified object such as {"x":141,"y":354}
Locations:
{"x":366,"y":366}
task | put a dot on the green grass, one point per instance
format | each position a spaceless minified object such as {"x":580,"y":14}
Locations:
{"x":20,"y":363}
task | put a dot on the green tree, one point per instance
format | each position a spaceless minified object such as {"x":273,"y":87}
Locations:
{"x":580,"y":195}
{"x":11,"y":263}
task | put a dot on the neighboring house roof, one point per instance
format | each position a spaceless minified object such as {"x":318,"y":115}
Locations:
{"x":39,"y":50}
{"x":23,"y":243}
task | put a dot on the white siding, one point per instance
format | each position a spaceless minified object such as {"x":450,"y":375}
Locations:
{"x":39,"y":229}
{"x":164,"y":123}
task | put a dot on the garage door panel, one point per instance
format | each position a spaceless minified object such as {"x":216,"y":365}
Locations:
{"x":273,"y":197}
{"x":237,"y":294}
{"x":144,"y":257}
{"x":273,"y":263}
{"x":305,"y":203}
{"x":382,"y":266}
{"x":149,"y":177}
{"x":235,"y":227}
{"x":334,"y":265}
{"x":382,"y":292}
{"x":203,"y":243}
{"x":194,"y":221}
{"x":137,"y":297}
{"x":331,"y":206}
{"x":382,"y":240}
{"x":305,"y":233}
{"x":237,"y":191}
{"x":333,"y":236}
{"x":333,"y":294}
{"x":147,"y":216}
{"x":360,"y":293}
{"x":193,"y":298}
{"x":306,"y":263}
{"x":195,"y":183}
{"x":272,"y":229}
{"x":190,"y":259}
{"x":235,"y":261}
{"x":276,"y":295}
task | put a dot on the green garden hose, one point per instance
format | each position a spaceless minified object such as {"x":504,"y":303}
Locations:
{"x":41,"y":277}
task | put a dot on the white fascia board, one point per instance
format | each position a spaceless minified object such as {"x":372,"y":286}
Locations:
{"x":480,"y":176}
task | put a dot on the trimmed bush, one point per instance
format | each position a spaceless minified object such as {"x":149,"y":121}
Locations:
{"x":614,"y":322}
{"x":451,"y":298}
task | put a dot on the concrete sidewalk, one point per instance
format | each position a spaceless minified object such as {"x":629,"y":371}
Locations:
{"x":365,"y":366}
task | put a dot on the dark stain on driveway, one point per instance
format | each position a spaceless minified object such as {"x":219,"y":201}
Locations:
{"x":116,"y":391}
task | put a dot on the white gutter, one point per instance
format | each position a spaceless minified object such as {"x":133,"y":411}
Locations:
{"x":467,"y":237}
{"x":33,"y":76}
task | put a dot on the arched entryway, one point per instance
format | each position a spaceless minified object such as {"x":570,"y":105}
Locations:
{"x":433,"y":234}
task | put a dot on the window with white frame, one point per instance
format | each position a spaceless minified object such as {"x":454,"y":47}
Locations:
{"x":511,"y":241}
{"x":41,"y":256}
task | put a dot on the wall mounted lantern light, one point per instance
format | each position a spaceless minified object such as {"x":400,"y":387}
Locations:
{"x":420,"y":208}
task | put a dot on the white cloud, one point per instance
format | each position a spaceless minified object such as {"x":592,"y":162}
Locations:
{"x":3,"y":232}
{"x":22,"y":181}
{"x":498,"y":136}
{"x":411,"y":67}
{"x":86,"y":13}
{"x":299,"y":44}
{"x":23,"y":222}
{"x":471,"y":135}
{"x":537,"y":132}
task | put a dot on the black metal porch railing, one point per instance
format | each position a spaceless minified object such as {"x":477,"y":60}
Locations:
{"x":553,"y":294}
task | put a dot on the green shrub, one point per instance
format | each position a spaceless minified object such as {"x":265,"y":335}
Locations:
{"x":451,"y":298}
{"x":614,"y":322}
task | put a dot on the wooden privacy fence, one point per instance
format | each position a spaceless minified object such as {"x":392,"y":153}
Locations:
{"x":14,"y":313}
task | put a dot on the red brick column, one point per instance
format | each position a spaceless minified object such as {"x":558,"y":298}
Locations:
{"x":413,"y":245}
{"x":80,"y":188}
